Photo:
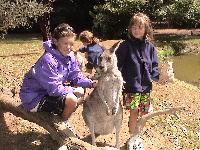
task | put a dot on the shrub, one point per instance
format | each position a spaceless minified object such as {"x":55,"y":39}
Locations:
{"x":164,"y":51}
{"x":181,"y":14}
{"x":111,"y":19}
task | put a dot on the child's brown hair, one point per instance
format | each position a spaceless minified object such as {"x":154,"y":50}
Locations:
{"x":87,"y":37}
{"x":141,"y":19}
{"x":63,"y":30}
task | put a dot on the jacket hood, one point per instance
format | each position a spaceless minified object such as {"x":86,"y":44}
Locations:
{"x":49,"y":47}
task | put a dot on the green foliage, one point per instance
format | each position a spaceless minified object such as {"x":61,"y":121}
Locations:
{"x":111,"y":19}
{"x":165,"y":51}
{"x":180,"y":13}
{"x":17,"y":13}
{"x":178,"y":46}
{"x":174,"y":45}
{"x":74,"y":12}
{"x":167,"y":47}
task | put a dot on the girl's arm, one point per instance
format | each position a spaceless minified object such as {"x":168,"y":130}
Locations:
{"x":155,"y":73}
{"x":46,"y":74}
{"x":77,"y":77}
{"x":121,"y":54}
{"x":83,"y":49}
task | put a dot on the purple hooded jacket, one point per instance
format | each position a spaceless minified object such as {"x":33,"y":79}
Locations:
{"x":49,"y":75}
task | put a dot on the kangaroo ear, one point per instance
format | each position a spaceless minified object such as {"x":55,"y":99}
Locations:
{"x":102,"y":46}
{"x":115,"y":46}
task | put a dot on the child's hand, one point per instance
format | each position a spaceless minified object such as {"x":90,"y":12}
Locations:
{"x":86,"y":56}
{"x":162,"y":82}
{"x":94,"y":84}
{"x":79,"y":92}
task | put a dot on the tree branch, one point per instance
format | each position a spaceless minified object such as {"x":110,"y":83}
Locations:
{"x":58,"y":130}
{"x":141,"y":121}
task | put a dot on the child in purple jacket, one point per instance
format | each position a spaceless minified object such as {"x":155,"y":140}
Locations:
{"x":138,"y":63}
{"x":44,"y":87}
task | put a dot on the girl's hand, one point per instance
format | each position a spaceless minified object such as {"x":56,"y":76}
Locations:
{"x":79,"y":92}
{"x":94,"y":84}
{"x":86,"y":56}
{"x":162,"y":82}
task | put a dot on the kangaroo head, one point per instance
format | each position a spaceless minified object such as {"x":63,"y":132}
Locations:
{"x":108,"y":59}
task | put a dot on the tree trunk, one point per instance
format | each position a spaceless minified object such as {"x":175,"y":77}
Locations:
{"x":58,"y":130}
{"x":141,"y":121}
{"x":44,"y":22}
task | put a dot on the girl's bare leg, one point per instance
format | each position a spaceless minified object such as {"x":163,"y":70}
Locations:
{"x":70,"y":106}
{"x":143,"y":113}
{"x":132,"y":120}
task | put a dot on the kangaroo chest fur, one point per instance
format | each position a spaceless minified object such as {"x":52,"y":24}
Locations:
{"x":99,"y":109}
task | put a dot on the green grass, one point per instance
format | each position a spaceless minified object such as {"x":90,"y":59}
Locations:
{"x":17,"y":54}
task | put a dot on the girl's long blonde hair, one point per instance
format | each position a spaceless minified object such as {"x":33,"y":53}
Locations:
{"x":141,"y":18}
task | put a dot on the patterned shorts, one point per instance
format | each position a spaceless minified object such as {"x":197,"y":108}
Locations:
{"x":135,"y":101}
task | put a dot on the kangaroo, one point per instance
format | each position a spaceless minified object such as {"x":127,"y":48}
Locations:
{"x":102,"y":110}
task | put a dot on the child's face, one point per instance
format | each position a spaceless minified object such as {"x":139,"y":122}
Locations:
{"x":138,"y":30}
{"x":65,"y":45}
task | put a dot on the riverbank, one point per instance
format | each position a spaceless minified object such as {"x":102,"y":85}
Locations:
{"x":177,"y":32}
{"x":181,"y":41}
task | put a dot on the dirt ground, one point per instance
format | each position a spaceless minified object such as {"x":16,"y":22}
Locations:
{"x":19,"y":134}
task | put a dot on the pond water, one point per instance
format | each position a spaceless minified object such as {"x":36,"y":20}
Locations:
{"x":187,"y":68}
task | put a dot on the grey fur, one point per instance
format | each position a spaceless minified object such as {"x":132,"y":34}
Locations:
{"x":102,"y":110}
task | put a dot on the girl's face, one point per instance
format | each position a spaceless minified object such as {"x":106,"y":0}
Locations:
{"x":65,"y":44}
{"x":138,"y":30}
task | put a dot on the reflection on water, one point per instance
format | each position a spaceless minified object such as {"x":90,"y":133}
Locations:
{"x":187,"y":68}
